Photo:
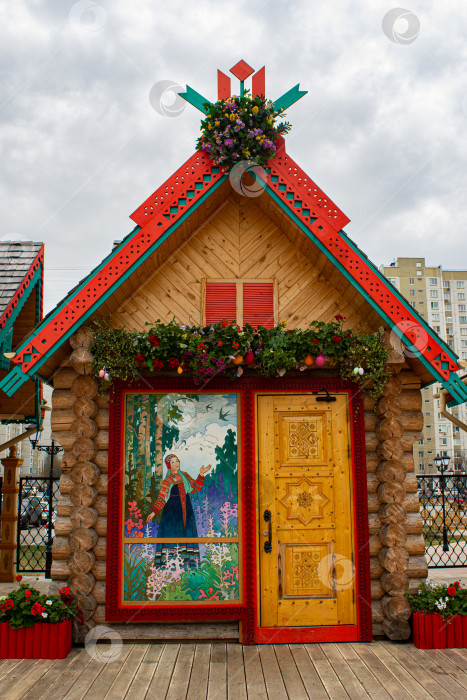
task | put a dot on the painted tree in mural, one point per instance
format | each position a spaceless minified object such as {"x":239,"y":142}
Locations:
{"x":225,"y":472}
{"x":151,"y":430}
{"x":227,"y":460}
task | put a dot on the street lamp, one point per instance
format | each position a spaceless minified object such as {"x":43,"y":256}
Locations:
{"x":51,"y":450}
{"x":442,"y":463}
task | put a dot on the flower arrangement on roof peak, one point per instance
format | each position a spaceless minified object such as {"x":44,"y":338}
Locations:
{"x":241,"y":128}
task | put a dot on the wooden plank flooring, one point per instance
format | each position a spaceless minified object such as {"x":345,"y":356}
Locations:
{"x":228,"y":671}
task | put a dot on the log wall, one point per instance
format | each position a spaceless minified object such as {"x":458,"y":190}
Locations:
{"x":80,"y":422}
{"x":397,"y":562}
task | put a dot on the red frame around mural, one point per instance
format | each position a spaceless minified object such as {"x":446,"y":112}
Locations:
{"x":246,"y":611}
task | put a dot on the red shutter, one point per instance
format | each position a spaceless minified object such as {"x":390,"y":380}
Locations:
{"x":258,"y":304}
{"x":221,"y":301}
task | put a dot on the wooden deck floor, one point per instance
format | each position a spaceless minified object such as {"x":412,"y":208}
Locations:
{"x":206,"y":671}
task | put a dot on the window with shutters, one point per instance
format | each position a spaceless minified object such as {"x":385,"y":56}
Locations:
{"x":244,"y":301}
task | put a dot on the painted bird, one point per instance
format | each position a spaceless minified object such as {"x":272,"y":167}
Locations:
{"x":223,"y":416}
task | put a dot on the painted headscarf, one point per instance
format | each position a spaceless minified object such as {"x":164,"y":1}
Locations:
{"x":167,"y":460}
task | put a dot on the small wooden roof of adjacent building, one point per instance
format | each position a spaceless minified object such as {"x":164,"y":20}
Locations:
{"x":21,"y":285}
{"x":177,"y":210}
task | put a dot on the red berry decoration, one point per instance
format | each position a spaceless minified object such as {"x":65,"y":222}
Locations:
{"x":249,"y":357}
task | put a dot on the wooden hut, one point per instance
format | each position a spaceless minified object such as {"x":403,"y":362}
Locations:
{"x":250,"y":507}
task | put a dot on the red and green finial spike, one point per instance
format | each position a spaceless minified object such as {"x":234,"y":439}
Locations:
{"x":242,"y":71}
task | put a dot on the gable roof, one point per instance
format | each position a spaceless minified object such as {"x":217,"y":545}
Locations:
{"x":177,"y":199}
{"x":21,"y":285}
{"x":19,"y":261}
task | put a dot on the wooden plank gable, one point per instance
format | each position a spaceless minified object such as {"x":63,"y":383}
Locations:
{"x":257,"y":249}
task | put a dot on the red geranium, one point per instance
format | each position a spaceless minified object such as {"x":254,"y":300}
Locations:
{"x":223,"y":324}
{"x":6,"y":605}
{"x":27,"y":593}
{"x":452,"y":590}
{"x":140,"y":358}
{"x":315,"y":341}
{"x":19,"y":577}
{"x":220,"y":342}
{"x":173,"y":362}
{"x":154,"y":340}
{"x":201,"y":346}
{"x":236,"y":345}
{"x":64,"y":592}
{"x":37,"y":609}
{"x":336,"y":339}
{"x":157,"y":365}
{"x":339,"y":317}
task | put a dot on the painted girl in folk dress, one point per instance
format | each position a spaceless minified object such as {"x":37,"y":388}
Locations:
{"x":178,"y":518}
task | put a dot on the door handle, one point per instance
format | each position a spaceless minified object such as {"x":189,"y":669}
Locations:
{"x":268,"y":543}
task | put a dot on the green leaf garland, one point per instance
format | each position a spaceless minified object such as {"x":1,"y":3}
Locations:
{"x":207,"y":351}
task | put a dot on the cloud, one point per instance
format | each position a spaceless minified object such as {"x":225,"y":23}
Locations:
{"x":199,"y":450}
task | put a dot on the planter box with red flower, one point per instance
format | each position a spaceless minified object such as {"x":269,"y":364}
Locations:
{"x":439,"y":616}
{"x":43,"y":640}
{"x":36,"y":626}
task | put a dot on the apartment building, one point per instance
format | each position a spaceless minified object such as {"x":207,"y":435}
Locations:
{"x":439,"y":296}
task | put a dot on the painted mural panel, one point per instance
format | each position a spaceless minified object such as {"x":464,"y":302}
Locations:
{"x":180,"y":498}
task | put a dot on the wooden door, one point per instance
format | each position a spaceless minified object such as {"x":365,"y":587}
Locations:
{"x":306,"y":512}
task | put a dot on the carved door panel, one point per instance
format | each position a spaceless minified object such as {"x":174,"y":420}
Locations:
{"x":306,"y":512}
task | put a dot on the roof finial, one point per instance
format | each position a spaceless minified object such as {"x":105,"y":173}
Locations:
{"x":242,"y":71}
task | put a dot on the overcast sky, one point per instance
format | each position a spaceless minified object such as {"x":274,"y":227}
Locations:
{"x":381,"y":130}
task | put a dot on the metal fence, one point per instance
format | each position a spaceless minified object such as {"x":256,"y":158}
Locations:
{"x":443,"y":507}
{"x":36,"y":517}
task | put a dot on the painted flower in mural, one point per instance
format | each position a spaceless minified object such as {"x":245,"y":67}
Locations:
{"x":211,"y":594}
